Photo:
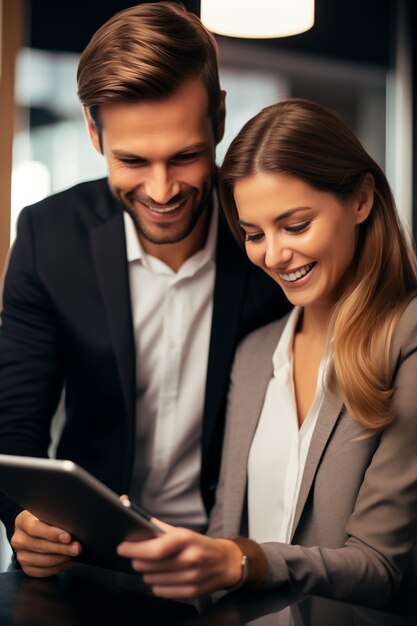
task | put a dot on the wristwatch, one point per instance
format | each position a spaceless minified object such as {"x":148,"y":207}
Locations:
{"x":244,"y":565}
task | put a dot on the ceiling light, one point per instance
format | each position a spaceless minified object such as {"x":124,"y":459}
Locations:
{"x":257,"y":18}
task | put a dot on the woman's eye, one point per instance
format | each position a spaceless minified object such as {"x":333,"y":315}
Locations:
{"x":253,"y":236}
{"x":298,"y":228}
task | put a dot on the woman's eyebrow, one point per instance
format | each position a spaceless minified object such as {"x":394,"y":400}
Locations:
{"x":279,"y":218}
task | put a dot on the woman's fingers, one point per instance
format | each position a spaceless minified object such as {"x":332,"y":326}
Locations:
{"x":160,"y":548}
{"x":184,"y":564}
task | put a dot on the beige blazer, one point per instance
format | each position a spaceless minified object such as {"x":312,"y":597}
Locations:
{"x":356,"y":517}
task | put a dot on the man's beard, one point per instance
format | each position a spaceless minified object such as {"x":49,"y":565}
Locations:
{"x":193,"y":218}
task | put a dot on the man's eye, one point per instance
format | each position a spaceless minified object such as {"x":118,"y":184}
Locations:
{"x":298,"y":228}
{"x":253,"y":236}
{"x":133,"y":162}
{"x":188,"y":156}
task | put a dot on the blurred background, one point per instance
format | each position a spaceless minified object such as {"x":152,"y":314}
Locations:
{"x":358,"y":59}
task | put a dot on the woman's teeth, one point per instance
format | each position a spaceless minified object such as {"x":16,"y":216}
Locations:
{"x":293,"y":276}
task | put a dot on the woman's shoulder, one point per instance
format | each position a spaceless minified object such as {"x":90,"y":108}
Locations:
{"x":264,"y":337}
{"x":407,"y":323}
{"x":405,"y":333}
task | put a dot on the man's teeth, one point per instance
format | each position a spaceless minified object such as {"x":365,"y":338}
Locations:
{"x":162,"y":209}
{"x":298,"y":274}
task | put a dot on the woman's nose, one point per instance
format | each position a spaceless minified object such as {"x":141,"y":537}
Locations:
{"x":276,"y":254}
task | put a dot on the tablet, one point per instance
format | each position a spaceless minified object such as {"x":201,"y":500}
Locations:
{"x":65,"y":495}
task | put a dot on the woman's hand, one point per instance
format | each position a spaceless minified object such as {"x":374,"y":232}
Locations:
{"x":183,"y":564}
{"x":42,"y":550}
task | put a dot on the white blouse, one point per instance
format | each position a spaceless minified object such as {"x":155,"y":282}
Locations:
{"x":279,"y":448}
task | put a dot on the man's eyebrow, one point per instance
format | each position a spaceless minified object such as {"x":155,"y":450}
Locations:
{"x":123,"y":154}
{"x":133,"y":155}
{"x":279,"y":218}
{"x":194,"y":146}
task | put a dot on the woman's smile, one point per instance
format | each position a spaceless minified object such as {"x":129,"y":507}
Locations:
{"x":295,"y":275}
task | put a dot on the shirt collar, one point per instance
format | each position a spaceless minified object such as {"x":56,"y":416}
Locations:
{"x":206,"y":254}
{"x":134,"y":250}
{"x":283,"y":354}
{"x":283,"y":351}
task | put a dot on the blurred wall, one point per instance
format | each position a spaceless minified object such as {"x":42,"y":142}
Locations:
{"x":10,"y":42}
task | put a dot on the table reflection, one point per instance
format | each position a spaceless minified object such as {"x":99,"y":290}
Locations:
{"x":85,"y":595}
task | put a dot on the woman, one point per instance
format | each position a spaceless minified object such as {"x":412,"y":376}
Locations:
{"x":320,"y":454}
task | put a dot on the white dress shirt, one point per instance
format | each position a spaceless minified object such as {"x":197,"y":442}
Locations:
{"x":279,"y":448}
{"x":172,"y":313}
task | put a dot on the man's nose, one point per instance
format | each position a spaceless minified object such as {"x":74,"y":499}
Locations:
{"x":160,"y":185}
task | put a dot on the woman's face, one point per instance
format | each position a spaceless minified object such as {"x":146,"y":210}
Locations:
{"x":303,"y":238}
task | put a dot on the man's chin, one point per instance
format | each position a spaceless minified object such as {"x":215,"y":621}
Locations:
{"x":163,"y":235}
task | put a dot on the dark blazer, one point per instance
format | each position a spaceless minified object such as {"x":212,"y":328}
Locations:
{"x":67,"y":320}
{"x":355,"y":526}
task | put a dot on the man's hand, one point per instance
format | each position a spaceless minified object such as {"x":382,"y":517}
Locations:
{"x":183,"y":564}
{"x":42,"y":550}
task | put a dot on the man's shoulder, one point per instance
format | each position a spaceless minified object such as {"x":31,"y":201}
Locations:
{"x":89,"y":197}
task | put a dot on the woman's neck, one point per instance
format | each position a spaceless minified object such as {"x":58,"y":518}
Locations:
{"x":309,"y":348}
{"x":314,"y":323}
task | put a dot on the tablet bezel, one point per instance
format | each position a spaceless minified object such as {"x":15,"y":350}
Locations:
{"x":63,"y":494}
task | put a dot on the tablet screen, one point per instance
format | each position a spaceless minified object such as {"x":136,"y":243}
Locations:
{"x":65,"y":495}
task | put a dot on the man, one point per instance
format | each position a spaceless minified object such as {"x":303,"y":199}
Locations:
{"x":130,"y":292}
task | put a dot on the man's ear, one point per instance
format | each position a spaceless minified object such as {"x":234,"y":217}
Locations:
{"x":221,"y":115}
{"x":92,"y":130}
{"x":364,"y":198}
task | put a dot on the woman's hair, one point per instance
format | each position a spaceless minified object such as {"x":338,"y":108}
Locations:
{"x":145,"y":53}
{"x":306,"y":140}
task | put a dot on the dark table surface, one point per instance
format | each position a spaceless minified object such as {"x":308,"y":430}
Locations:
{"x":92,"y":596}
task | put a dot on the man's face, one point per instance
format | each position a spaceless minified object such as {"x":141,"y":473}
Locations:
{"x":161,"y":159}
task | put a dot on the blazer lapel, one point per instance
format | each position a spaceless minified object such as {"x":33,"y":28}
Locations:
{"x":229,"y":288}
{"x":109,"y":253}
{"x":253,"y":390}
{"x":253,"y":385}
{"x":326,"y":422}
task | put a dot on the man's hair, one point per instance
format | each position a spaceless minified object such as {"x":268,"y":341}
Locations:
{"x":144,"y":53}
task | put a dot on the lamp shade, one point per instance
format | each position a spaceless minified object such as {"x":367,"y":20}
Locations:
{"x":257,"y":18}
